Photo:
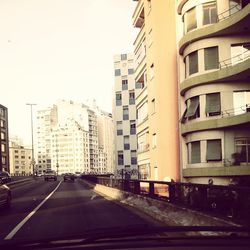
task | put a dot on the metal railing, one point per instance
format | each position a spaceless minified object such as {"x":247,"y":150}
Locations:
{"x":226,"y":14}
{"x":225,"y":201}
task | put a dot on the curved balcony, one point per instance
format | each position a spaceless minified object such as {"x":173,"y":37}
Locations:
{"x":227,"y":119}
{"x":238,"y":23}
{"x":228,"y":72}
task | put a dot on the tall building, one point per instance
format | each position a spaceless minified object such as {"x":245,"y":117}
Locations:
{"x":72,"y":138}
{"x":124,"y":115}
{"x":157,"y":104}
{"x":214,"y":85}
{"x":20,"y":158}
{"x":4,"y":139}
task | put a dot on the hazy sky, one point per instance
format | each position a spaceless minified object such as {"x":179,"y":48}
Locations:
{"x":53,"y":49}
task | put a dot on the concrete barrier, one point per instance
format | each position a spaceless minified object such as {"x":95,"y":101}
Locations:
{"x":170,"y":214}
{"x":14,"y":184}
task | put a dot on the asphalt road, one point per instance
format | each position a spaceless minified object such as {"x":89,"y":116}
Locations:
{"x":57,"y":209}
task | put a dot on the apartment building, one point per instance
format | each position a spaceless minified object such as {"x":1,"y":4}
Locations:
{"x":124,"y":115}
{"x":157,"y":104}
{"x":67,"y":139}
{"x":214,"y":88}
{"x":20,"y":158}
{"x":4,"y":139}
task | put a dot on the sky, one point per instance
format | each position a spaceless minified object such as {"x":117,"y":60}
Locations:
{"x":60,"y":49}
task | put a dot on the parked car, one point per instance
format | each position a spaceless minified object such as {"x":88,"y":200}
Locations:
{"x":69,"y":177}
{"x":5,"y":195}
{"x":5,"y":177}
{"x":50,"y":174}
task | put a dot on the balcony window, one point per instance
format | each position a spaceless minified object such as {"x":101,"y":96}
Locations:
{"x":142,"y":112}
{"x":209,"y":13}
{"x":193,"y":62}
{"x":195,"y":152}
{"x":243,"y":149}
{"x":132,"y":127}
{"x":213,"y":104}
{"x":119,"y":128}
{"x":190,"y":20}
{"x":125,"y":113}
{"x":193,"y":110}
{"x":239,"y":53}
{"x":234,"y":6}
{"x":118,"y":99}
{"x":214,"y":150}
{"x":124,"y":84}
{"x":117,"y":72}
{"x":241,"y":101}
{"x":131,"y":97}
{"x":211,"y":58}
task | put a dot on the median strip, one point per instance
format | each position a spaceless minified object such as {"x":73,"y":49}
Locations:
{"x":19,"y":226}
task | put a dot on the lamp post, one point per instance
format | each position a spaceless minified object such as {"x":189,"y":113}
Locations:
{"x":31,"y":116}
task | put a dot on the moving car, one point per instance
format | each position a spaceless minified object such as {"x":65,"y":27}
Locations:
{"x":69,"y":177}
{"x":5,"y":177}
{"x":50,"y":174}
{"x":5,"y":195}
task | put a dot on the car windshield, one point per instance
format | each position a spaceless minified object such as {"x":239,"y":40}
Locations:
{"x":124,"y":118}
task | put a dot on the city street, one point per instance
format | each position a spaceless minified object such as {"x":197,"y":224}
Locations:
{"x":57,"y":209}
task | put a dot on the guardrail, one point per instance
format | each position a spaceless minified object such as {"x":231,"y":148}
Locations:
{"x":226,"y":201}
{"x":16,"y":183}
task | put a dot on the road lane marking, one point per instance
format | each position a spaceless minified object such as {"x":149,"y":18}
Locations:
{"x":18,"y":227}
{"x":93,"y":197}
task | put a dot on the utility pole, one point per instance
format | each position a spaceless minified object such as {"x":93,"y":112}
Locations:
{"x":31,"y":116}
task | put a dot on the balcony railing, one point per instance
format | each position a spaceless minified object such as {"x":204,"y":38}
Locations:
{"x":234,"y":60}
{"x":143,"y":148}
{"x":226,"y":14}
{"x":236,"y":111}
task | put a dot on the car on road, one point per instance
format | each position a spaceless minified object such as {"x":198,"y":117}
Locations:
{"x":5,"y":177}
{"x":5,"y":195}
{"x":69,"y":177}
{"x":50,"y":174}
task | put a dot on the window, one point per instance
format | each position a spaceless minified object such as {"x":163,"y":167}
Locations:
{"x":126,"y":142}
{"x":133,"y":157}
{"x":130,"y":71}
{"x":2,"y":136}
{"x":190,"y":20}
{"x":239,"y":52}
{"x":123,"y":57}
{"x":143,"y":144}
{"x":234,"y":6}
{"x":142,"y":112}
{"x":125,"y":113}
{"x":193,"y":62}
{"x":151,"y":71}
{"x":3,"y":147}
{"x":154,"y":140}
{"x":3,"y":160}
{"x":117,"y":72}
{"x":124,"y":84}
{"x":131,"y":97}
{"x":119,"y":127}
{"x":214,"y":150}
{"x":213,"y":106}
{"x":138,"y":85}
{"x":118,"y":99}
{"x":209,"y":13}
{"x":243,"y":149}
{"x":16,"y":151}
{"x":241,"y":102}
{"x":211,"y":58}
{"x":132,"y":127}
{"x":120,"y":158}
{"x":193,"y":110}
{"x":195,"y":154}
{"x":2,"y":124}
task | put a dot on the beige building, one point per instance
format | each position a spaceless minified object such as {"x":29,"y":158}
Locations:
{"x":214,"y":88}
{"x":157,"y":106}
{"x":20,"y":158}
{"x":124,"y":113}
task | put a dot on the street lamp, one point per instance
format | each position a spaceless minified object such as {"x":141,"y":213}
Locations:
{"x":31,"y":115}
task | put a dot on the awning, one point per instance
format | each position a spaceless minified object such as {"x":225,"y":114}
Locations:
{"x":214,"y":150}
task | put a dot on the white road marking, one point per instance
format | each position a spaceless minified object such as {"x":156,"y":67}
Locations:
{"x":18,"y":227}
